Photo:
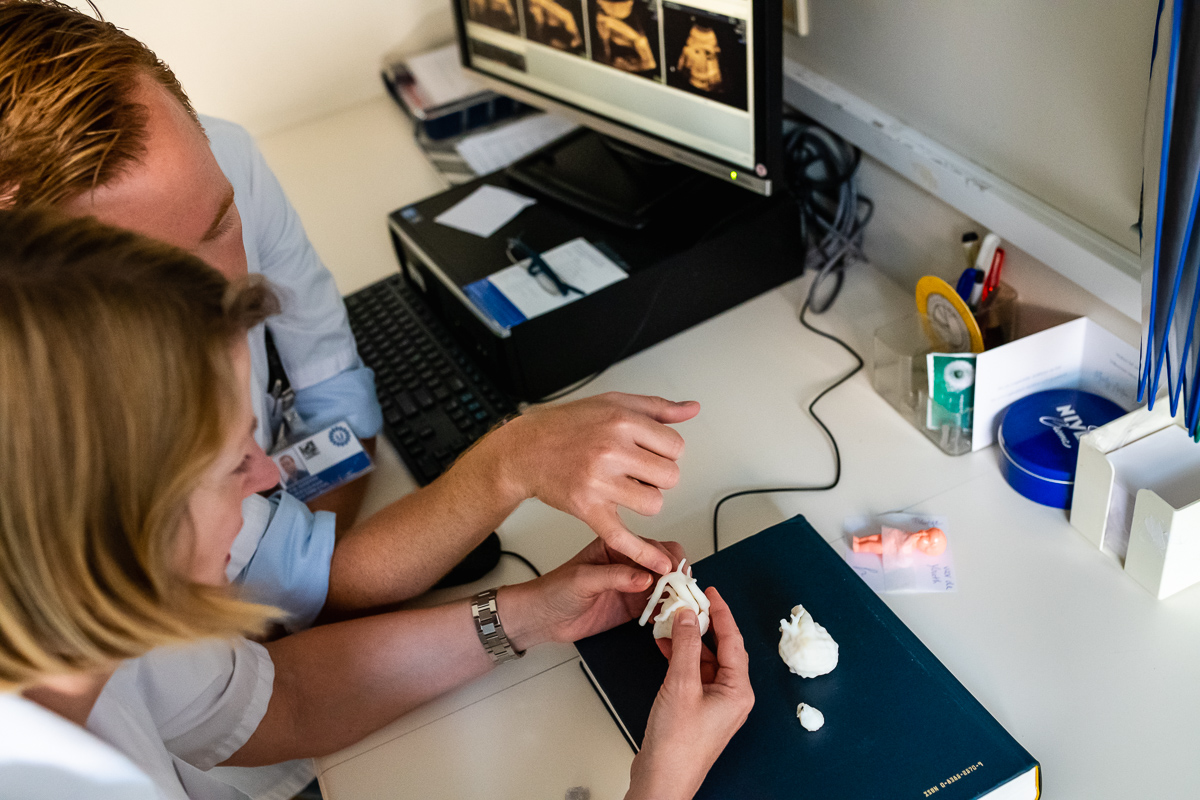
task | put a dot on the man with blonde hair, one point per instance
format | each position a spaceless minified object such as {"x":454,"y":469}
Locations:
{"x":93,"y":123}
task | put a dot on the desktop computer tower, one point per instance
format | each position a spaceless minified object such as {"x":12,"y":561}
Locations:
{"x":710,"y":247}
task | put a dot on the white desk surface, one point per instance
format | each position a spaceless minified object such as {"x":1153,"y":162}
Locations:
{"x":1098,"y":680}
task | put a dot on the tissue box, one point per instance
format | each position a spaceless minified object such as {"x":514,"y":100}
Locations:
{"x":1137,"y":497}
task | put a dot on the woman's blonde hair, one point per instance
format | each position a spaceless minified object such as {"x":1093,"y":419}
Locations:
{"x":117,"y":391}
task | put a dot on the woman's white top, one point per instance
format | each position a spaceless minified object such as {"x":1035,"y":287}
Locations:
{"x":173,"y":715}
{"x":45,"y":757}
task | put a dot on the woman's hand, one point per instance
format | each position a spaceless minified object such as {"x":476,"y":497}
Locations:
{"x":596,"y":590}
{"x":702,"y":703}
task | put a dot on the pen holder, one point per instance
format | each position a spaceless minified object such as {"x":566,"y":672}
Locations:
{"x":997,"y":317}
{"x":900,"y":372}
{"x":900,"y":375}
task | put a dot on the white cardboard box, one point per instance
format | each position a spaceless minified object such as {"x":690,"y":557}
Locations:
{"x":1074,"y":355}
{"x":1137,"y":497}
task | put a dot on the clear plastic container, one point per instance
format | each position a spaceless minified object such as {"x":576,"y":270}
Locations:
{"x":900,"y":375}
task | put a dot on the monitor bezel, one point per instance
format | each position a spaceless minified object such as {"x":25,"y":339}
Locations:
{"x":767,"y":20}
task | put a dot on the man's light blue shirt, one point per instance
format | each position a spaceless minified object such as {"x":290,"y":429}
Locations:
{"x":283,"y":552}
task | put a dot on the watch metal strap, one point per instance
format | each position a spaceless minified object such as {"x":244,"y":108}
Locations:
{"x":491,"y":632}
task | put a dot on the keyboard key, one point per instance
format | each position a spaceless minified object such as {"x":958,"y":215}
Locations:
{"x":428,"y":467}
{"x":423,"y":397}
{"x":427,"y":432}
{"x":406,"y":404}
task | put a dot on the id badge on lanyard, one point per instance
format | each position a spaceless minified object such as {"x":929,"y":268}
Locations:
{"x":310,"y":464}
{"x":321,"y":462}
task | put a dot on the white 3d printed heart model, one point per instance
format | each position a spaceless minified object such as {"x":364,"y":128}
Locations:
{"x":805,"y":646}
{"x":808,"y":650}
{"x":676,"y":590}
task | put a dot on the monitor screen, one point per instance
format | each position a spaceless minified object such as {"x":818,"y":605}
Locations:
{"x":698,"y":82}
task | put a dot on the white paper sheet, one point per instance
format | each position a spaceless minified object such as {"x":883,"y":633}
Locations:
{"x":440,"y":77}
{"x":576,"y":262}
{"x":496,"y":149}
{"x":1075,"y":355}
{"x":485,"y":210}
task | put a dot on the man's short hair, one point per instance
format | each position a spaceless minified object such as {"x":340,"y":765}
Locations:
{"x":67,"y":120}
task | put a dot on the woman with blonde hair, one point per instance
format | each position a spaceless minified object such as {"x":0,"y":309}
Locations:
{"x":127,"y":446}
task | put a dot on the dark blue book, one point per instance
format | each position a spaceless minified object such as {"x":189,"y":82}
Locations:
{"x":897,"y":723}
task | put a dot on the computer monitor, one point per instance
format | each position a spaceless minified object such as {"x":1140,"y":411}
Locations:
{"x":696,"y":82}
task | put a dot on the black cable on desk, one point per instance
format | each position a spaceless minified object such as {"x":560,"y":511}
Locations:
{"x":837,"y":454}
{"x":820,"y":169}
{"x":523,"y":560}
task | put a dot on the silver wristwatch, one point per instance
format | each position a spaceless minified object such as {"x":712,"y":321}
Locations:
{"x":491,"y":632}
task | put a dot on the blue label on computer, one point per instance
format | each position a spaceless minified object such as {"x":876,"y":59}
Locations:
{"x":491,"y":301}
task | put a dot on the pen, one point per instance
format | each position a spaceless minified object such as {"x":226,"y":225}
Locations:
{"x":992,"y":281}
{"x":970,"y":243}
{"x":976,"y":290}
{"x":966,"y":282}
{"x":987,"y":250}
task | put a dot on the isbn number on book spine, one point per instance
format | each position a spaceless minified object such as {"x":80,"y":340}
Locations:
{"x":956,"y":776}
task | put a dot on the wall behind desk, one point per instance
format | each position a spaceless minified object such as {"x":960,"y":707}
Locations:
{"x":270,"y":64}
{"x":1050,"y":96}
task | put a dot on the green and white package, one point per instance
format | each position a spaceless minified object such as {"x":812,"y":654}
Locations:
{"x":951,"y":390}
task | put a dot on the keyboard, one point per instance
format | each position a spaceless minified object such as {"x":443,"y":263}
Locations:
{"x":436,"y":402}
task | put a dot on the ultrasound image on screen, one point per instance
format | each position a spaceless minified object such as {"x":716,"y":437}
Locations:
{"x":557,"y":23}
{"x":624,"y":35}
{"x":498,"y":14}
{"x":706,"y":54}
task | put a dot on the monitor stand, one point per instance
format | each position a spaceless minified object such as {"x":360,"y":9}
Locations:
{"x":608,"y":179}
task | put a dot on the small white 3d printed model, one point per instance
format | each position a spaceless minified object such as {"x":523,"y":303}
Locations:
{"x":676,"y":590}
{"x":810,"y":718}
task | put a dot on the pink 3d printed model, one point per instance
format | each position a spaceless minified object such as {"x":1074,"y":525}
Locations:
{"x":931,"y":542}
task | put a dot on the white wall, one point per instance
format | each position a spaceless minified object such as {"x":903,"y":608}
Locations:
{"x":270,"y":64}
{"x":914,"y":233}
{"x":1049,"y":95}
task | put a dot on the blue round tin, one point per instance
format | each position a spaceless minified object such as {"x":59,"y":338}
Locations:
{"x":1039,"y":441}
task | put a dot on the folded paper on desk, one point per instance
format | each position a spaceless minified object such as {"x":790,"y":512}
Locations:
{"x":514,"y":295}
{"x":897,"y":723}
{"x":485,"y":210}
